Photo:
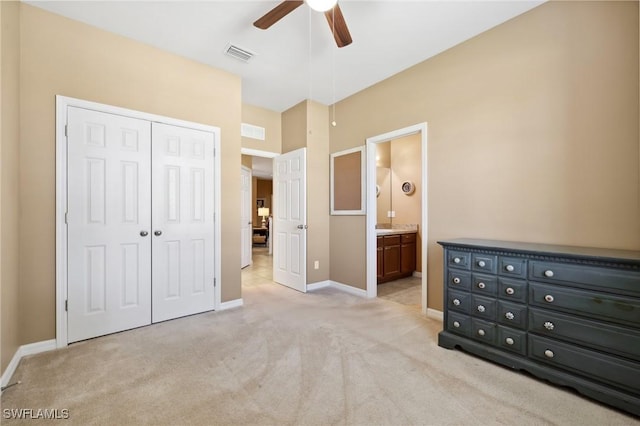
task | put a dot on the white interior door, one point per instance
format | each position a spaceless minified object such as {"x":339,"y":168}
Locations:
{"x":183,"y":222}
{"x":290,"y":219}
{"x":246,"y":228}
{"x":108,"y":223}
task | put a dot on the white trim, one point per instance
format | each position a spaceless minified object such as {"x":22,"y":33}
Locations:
{"x":417,"y":274}
{"x":342,"y":287}
{"x":363,"y":183}
{"x":258,"y":153}
{"x":349,"y":289}
{"x":235,"y":303}
{"x":318,"y":285}
{"x":62,"y":104}
{"x":25,"y":350}
{"x":372,"y":287}
{"x":435,"y":314}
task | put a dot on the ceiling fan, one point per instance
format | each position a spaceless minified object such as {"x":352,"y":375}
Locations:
{"x":331,"y":10}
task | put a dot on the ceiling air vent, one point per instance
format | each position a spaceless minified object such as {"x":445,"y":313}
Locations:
{"x":238,"y":53}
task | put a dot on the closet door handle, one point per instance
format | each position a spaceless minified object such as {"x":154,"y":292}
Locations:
{"x":157,"y":233}
{"x":143,"y":233}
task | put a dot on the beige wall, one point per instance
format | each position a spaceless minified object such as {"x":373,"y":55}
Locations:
{"x":9,"y":146}
{"x":271,"y":121}
{"x":318,"y":192}
{"x":294,"y":127}
{"x":263,"y":189}
{"x":532,"y":135}
{"x":65,"y":57}
{"x":406,"y":165}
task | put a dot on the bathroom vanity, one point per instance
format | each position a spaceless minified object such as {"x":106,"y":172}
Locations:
{"x":569,"y":315}
{"x":396,"y":251}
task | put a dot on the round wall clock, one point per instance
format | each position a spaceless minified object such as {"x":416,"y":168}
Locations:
{"x":408,"y":187}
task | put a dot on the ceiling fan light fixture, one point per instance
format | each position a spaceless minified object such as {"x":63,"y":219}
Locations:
{"x":321,"y":5}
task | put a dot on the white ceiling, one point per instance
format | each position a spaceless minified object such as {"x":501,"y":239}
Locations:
{"x":297,"y":59}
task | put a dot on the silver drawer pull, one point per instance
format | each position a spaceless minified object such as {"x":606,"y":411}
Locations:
{"x":549,"y":325}
{"x":481,"y":308}
{"x":509,"y":268}
{"x":481,"y":285}
{"x":481,"y":332}
{"x":482,"y":263}
{"x":456,"y":324}
{"x":457,"y":260}
{"x":509,"y":290}
{"x":548,"y":273}
{"x":509,"y":315}
{"x":548,"y":298}
{"x":456,"y":302}
{"x":549,"y":353}
{"x":509,"y":341}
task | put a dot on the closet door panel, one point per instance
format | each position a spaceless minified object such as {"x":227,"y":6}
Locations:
{"x":109,"y":206}
{"x":183,"y":237}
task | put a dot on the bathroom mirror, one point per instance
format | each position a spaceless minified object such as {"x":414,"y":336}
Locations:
{"x":348,"y":182}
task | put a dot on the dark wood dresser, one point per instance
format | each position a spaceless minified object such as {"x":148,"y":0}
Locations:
{"x":569,"y":315}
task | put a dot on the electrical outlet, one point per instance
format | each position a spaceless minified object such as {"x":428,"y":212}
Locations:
{"x":316,"y":264}
{"x":393,"y":213}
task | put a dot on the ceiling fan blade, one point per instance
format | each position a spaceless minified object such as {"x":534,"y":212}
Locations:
{"x":338,"y":26}
{"x":277,"y":13}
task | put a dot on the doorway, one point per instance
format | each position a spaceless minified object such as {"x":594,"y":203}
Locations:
{"x":372,"y":216}
{"x":259,"y":243}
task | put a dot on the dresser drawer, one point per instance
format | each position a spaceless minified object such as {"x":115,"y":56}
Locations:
{"x":484,"y":263}
{"x":459,"y":301}
{"x":592,"y":304}
{"x":483,"y":307}
{"x":512,"y":339}
{"x":609,"y":369}
{"x":515,"y":290}
{"x":483,"y":331}
{"x":512,"y":314}
{"x":512,"y":266}
{"x":459,"y":279}
{"x":594,"y":277}
{"x":621,"y":341}
{"x":484,"y":284}
{"x":458,"y":259}
{"x":459,"y":323}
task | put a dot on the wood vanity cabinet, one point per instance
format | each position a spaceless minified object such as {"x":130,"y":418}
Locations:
{"x":569,"y":315}
{"x":396,"y":256}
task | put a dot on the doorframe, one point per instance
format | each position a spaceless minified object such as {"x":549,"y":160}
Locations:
{"x":62,"y":104}
{"x":371,"y":215}
{"x":250,"y":242}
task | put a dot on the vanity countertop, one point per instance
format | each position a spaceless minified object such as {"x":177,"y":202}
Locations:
{"x":394,"y":231}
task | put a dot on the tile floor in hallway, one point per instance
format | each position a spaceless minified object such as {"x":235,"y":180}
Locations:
{"x":406,"y":291}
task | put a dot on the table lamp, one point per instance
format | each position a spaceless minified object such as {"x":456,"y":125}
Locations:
{"x":264,"y":212}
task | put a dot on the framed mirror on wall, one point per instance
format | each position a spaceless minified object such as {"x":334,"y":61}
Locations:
{"x":347,"y":171}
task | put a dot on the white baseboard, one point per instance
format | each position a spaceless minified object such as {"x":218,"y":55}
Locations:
{"x":235,"y":303}
{"x":349,"y":289}
{"x":417,"y":274}
{"x":342,"y":287}
{"x":318,"y":285}
{"x":435,"y":314}
{"x":24,"y":350}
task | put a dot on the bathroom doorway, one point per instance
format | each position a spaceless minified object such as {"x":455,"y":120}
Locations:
{"x":385,"y":215}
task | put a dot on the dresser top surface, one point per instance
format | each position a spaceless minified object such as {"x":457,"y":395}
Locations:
{"x":595,"y":253}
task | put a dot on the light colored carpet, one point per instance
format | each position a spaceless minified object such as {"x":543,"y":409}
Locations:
{"x":288,"y":358}
{"x":406,"y":291}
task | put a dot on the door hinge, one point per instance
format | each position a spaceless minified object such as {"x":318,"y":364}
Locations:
{"x":66,"y":127}
{"x":214,"y":282}
{"x":66,"y":218}
{"x":66,"y":306}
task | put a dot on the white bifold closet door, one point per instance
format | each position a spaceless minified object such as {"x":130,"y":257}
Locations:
{"x":139,"y":222}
